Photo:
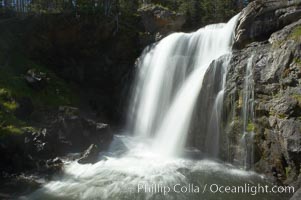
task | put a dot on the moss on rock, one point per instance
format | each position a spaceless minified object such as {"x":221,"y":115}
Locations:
{"x":296,"y":34}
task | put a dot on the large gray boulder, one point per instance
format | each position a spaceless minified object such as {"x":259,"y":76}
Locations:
{"x":263,"y":17}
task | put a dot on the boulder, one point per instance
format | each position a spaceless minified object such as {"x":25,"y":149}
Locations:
{"x":263,"y":17}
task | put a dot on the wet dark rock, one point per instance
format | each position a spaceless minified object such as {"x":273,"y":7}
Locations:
{"x":14,"y":157}
{"x":52,"y":166}
{"x":41,"y":144}
{"x":206,"y":101}
{"x":68,"y":132}
{"x":36,"y":79}
{"x":90,"y":155}
{"x":79,"y":131}
{"x":13,"y":186}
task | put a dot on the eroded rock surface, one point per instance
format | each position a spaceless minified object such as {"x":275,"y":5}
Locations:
{"x":275,"y":58}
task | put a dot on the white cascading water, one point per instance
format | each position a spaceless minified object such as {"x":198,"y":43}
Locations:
{"x":215,"y":121}
{"x":248,"y":116}
{"x":169,"y":82}
{"x":168,"y":85}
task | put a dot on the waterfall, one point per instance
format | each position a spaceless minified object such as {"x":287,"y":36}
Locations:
{"x":168,"y":83}
{"x":175,"y":75}
{"x":246,"y":143}
{"x":216,"y":92}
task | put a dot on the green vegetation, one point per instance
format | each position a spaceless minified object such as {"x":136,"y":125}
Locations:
{"x":9,"y":124}
{"x":12,"y":80}
{"x":10,"y":129}
{"x":250,"y":127}
{"x":240,"y":100}
{"x":13,"y":86}
{"x":298,"y":98}
{"x":288,"y":170}
{"x":280,"y":116}
{"x":14,"y":65}
{"x":297,"y":61}
{"x":296,"y":34}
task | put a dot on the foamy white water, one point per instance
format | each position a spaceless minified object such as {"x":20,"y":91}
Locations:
{"x":119,"y":177}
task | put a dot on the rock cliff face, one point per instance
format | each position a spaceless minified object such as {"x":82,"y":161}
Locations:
{"x":268,"y":39}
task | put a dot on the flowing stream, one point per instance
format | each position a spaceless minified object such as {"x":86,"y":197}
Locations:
{"x":147,"y":160}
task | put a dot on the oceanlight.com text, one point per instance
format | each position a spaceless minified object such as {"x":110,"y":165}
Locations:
{"x":215,"y":189}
